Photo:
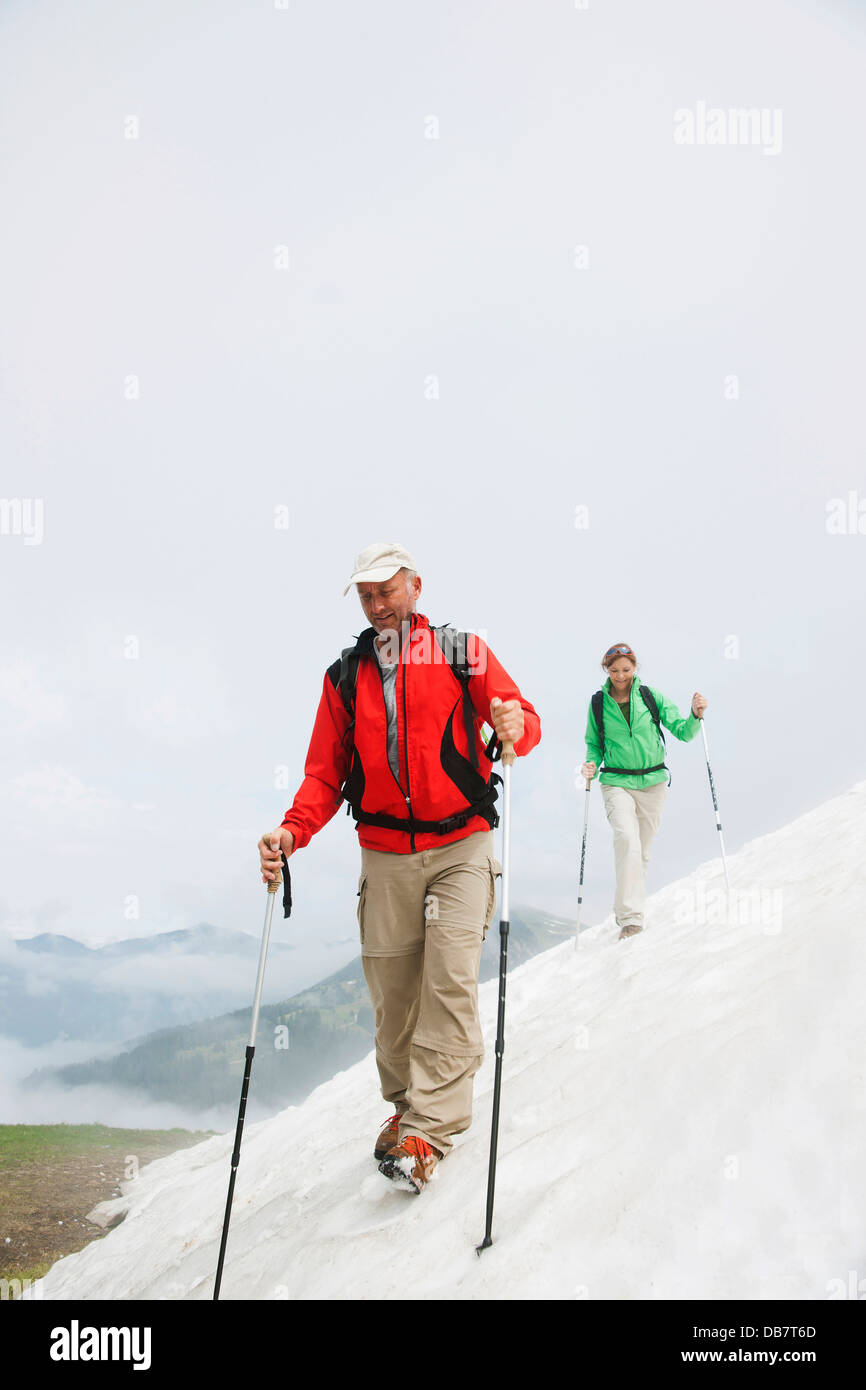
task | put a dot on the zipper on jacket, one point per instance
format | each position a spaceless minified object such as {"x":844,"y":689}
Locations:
{"x":630,"y":720}
{"x":385,"y":707}
{"x":406,"y":736}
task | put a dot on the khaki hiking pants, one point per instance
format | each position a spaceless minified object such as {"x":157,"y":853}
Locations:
{"x":423,"y":918}
{"x":634,"y":817}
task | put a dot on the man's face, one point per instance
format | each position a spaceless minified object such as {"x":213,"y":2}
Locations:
{"x":387,"y":604}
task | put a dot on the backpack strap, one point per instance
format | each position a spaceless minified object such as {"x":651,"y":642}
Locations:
{"x":650,"y":701}
{"x":348,"y":679}
{"x":345,"y":670}
{"x":454,"y":646}
{"x":344,"y":674}
{"x":598,"y":716}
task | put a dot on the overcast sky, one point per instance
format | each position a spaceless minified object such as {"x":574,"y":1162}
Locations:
{"x":449,"y":274}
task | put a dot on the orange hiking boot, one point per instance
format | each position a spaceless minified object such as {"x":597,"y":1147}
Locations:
{"x":411,"y":1163}
{"x":388,"y":1136}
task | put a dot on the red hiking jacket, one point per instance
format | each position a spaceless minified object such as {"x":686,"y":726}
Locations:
{"x":440,"y":775}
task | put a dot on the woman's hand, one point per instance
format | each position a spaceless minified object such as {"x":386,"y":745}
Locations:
{"x":588,"y":771}
{"x":699,"y":704}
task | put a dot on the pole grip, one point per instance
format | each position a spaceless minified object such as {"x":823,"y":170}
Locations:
{"x":508,"y":753}
{"x":274,"y":884}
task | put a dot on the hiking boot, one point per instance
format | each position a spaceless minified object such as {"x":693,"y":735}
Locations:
{"x":631,"y":929}
{"x":388,"y":1136}
{"x":410,"y":1164}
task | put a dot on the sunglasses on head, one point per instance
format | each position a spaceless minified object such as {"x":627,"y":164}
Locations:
{"x":619,"y":651}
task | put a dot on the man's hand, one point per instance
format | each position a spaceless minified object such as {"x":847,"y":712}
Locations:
{"x":507,"y":719}
{"x":699,"y":704}
{"x":587,"y":771}
{"x":270,"y":847}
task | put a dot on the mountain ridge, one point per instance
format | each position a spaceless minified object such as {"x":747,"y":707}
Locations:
{"x":326,"y":1027}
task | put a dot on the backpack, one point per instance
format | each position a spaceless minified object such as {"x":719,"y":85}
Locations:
{"x":453,"y":645}
{"x":598,"y":714}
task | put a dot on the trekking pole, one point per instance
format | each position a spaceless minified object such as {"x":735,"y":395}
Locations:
{"x":273,"y":888}
{"x":507,"y":760}
{"x":582,"y":859}
{"x":715,"y":805}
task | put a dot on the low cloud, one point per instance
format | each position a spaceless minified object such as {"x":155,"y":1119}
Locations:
{"x":50,"y":1103}
{"x":105,"y":996}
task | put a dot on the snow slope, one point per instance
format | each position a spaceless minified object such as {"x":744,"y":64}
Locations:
{"x":683,"y":1117}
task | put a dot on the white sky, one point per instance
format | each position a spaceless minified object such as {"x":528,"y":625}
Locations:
{"x":559,"y":387}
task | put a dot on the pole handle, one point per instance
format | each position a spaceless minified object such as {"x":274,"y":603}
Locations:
{"x":274,"y":885}
{"x":508,"y":753}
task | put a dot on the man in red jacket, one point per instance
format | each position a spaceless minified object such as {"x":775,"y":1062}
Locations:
{"x":398,"y":735}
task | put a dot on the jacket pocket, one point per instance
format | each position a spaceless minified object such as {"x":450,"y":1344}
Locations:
{"x":495,"y":870}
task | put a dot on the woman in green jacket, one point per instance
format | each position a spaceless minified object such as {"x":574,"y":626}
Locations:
{"x":634,"y":780}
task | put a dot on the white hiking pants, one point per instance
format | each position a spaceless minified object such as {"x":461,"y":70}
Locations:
{"x":634,"y":818}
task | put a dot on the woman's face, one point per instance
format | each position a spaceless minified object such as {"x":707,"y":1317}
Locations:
{"x":621,"y":673}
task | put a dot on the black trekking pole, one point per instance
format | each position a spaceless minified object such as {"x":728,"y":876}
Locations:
{"x":582,"y":859}
{"x":273,"y":888}
{"x":507,"y":760}
{"x":715,"y":805}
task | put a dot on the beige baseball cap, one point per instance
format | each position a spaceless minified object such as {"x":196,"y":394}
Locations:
{"x":379,"y":562}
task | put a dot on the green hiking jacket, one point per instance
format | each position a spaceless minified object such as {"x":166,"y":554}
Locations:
{"x":640,"y":744}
